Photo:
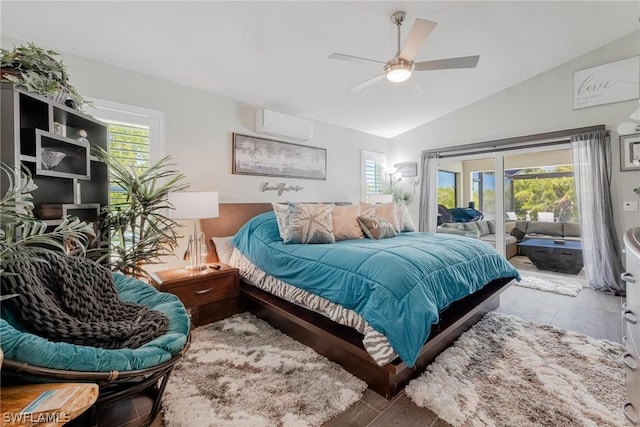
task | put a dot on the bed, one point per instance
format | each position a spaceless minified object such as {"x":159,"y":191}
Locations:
{"x":337,"y":341}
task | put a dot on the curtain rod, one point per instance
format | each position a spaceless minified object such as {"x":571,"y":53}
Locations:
{"x":497,"y":143}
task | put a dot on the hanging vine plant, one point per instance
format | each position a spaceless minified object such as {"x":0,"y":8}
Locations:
{"x":39,"y":71}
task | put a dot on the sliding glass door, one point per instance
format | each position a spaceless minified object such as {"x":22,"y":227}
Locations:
{"x":467,"y":198}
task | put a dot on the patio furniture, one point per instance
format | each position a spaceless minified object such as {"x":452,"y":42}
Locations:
{"x":552,"y":255}
{"x":545,"y":217}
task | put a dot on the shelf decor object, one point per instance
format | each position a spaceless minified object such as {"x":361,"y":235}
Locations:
{"x":51,"y":159}
{"x":194,"y":205}
{"x":76,"y":153}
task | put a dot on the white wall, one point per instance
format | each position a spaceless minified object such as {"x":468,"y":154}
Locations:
{"x":198,"y":134}
{"x":540,"y":104}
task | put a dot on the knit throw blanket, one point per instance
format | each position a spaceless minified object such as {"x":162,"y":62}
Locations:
{"x":75,"y":300}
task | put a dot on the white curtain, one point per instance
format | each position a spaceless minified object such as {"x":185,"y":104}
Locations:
{"x":600,"y":250}
{"x":428,"y":217}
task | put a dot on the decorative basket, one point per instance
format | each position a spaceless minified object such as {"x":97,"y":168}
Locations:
{"x":60,"y":96}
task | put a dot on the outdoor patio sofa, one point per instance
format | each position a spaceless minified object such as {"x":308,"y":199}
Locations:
{"x":516,"y":231}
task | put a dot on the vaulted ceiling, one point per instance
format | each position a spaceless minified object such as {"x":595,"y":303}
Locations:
{"x":275,"y":54}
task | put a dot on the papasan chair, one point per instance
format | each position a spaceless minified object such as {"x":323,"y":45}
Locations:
{"x":75,"y":321}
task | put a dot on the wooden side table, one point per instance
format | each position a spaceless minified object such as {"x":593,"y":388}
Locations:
{"x":14,"y":399}
{"x":210,"y":295}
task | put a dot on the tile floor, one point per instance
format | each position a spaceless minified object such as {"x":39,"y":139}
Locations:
{"x":591,"y":313}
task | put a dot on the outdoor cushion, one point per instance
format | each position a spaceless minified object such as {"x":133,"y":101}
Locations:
{"x":483,"y":227}
{"x":571,"y":229}
{"x":522,"y":224}
{"x":548,"y":228}
{"x":517,"y":233}
{"x":22,"y":346}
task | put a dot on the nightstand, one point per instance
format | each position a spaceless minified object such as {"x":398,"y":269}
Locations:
{"x":209,"y":295}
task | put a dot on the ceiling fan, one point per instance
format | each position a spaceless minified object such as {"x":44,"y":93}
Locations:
{"x":400,"y":67}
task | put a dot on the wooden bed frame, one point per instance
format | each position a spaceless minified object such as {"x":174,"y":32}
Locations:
{"x":341,"y":343}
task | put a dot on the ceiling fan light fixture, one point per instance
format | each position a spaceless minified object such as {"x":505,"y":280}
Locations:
{"x":398,"y":71}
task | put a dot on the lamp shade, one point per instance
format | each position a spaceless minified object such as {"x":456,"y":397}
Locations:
{"x":194,"y":204}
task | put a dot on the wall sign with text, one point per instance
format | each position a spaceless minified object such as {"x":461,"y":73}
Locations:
{"x":613,"y":82}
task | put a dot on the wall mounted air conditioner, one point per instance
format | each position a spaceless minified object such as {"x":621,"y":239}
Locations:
{"x":283,"y":126}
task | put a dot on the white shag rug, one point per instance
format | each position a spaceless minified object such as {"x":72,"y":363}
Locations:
{"x":557,"y":286}
{"x":508,"y":372}
{"x":242,"y":372}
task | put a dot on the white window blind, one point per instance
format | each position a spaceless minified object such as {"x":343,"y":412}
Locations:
{"x":130,"y":145}
{"x":372,"y":173}
{"x":136,"y":136}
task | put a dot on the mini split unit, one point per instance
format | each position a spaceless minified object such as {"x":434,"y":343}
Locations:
{"x":283,"y":126}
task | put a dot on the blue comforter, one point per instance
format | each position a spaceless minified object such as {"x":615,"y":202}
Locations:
{"x":398,"y":285}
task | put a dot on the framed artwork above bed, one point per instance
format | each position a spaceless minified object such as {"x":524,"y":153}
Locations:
{"x":267,"y":157}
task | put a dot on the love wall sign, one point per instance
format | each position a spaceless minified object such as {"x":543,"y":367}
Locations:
{"x":613,"y":82}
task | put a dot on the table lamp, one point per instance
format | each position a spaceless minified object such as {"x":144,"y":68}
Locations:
{"x":194,"y":205}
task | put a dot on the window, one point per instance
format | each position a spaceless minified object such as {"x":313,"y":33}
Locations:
{"x":447,"y":189}
{"x":135,"y":137}
{"x":544,"y":189}
{"x":483,"y":192}
{"x":129,"y":144}
{"x":372,"y":173}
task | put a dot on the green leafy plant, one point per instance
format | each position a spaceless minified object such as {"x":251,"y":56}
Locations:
{"x":22,"y":236}
{"x":38,"y":71}
{"x":139,"y":230}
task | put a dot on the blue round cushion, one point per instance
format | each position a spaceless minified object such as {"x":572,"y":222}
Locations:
{"x":35,"y":350}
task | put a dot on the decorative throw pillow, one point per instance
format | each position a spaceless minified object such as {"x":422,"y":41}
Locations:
{"x":404,"y":220}
{"x":367,"y":209}
{"x":473,"y":228}
{"x":455,"y":225}
{"x":309,"y":223}
{"x":282,"y":212}
{"x":345,"y":222}
{"x":517,"y":233}
{"x":224,"y":248}
{"x":492,"y":226}
{"x":376,"y":227}
{"x":388,"y":212}
{"x":483,"y":227}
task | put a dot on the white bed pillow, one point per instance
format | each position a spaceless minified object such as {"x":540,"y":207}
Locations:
{"x":224,"y":248}
{"x":404,"y":219}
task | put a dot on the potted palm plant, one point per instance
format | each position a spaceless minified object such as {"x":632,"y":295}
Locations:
{"x":139,"y":230}
{"x":22,"y":236}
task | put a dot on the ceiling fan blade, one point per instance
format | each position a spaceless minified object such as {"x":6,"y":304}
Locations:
{"x":365,"y":83}
{"x":417,"y":36}
{"x":343,"y":57}
{"x":449,"y":63}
